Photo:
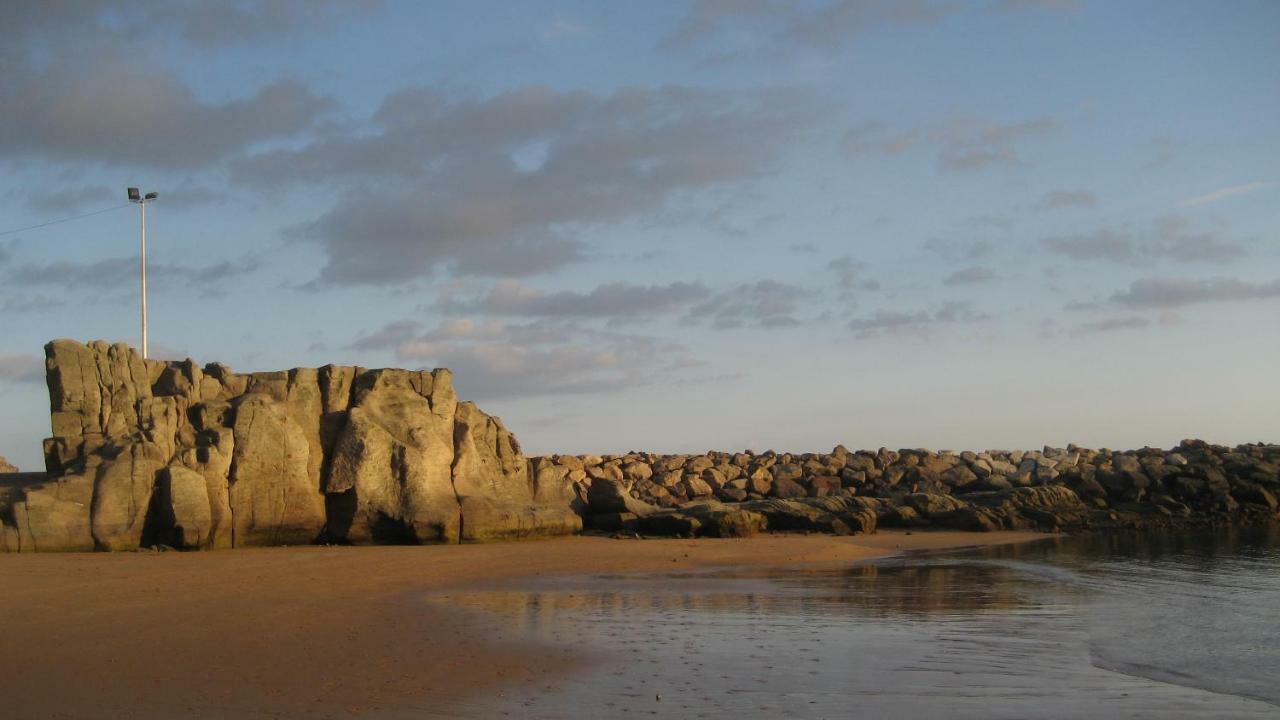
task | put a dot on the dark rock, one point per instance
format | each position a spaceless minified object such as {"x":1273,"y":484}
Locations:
{"x":667,"y":522}
{"x":824,"y":485}
{"x":613,"y":522}
{"x":610,"y":496}
{"x":785,"y":489}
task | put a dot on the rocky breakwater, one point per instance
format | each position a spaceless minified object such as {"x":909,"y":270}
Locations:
{"x":149,"y":452}
{"x":724,"y":494}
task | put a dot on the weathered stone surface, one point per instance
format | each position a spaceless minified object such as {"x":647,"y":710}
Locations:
{"x":785,"y":488}
{"x":172,"y":453}
{"x":52,"y":517}
{"x":183,"y":504}
{"x":122,"y":496}
{"x":274,"y":498}
{"x":390,"y":476}
{"x":607,"y":495}
{"x":491,"y":479}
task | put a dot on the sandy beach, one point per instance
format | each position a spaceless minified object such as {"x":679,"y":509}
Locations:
{"x":321,"y":632}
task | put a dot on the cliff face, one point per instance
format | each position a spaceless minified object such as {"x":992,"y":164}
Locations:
{"x":151,"y":452}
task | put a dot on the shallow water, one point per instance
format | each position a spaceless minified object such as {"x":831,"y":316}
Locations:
{"x":1161,"y":626}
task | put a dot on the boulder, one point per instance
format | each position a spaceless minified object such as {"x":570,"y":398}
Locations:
{"x":609,"y":496}
{"x":932,"y":505}
{"x":695,"y":486}
{"x":53,"y":516}
{"x":824,"y":485}
{"x":184,"y":513}
{"x":785,"y":488}
{"x":274,"y":498}
{"x":122,"y":496}
{"x":491,"y":480}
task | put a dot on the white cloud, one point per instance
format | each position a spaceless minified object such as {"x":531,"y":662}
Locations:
{"x":1223,"y":193}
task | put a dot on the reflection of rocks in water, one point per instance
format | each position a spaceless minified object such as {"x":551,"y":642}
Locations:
{"x":886,"y":590}
{"x":1035,"y":631}
{"x":868,"y":591}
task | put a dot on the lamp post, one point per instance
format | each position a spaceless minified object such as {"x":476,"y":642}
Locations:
{"x":142,"y":200}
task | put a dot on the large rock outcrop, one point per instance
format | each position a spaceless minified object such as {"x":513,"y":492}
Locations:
{"x":149,"y":452}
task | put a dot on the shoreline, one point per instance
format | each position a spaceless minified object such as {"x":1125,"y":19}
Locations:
{"x":325,"y":632}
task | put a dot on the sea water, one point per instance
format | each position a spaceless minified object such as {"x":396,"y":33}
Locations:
{"x":1177,"y":625}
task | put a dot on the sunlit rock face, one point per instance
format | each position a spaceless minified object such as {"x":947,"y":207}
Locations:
{"x":151,"y":452}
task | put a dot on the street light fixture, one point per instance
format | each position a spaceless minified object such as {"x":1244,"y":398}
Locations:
{"x":142,"y":200}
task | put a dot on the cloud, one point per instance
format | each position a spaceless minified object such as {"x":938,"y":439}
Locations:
{"x":119,"y":113}
{"x":962,"y":144}
{"x":31,"y":304}
{"x":1224,"y":193}
{"x":616,"y":301}
{"x":762,"y":30}
{"x":1170,"y":238}
{"x":200,"y":24}
{"x":753,"y":26}
{"x":1038,"y":5}
{"x":505,"y":185}
{"x":494,"y":358}
{"x":391,"y":335}
{"x":836,"y":23}
{"x":123,"y":272}
{"x":766,"y":303}
{"x":1110,"y":325}
{"x":90,"y":82}
{"x":1102,"y":244}
{"x":850,"y":273}
{"x":1062,"y":199}
{"x":1166,"y":292}
{"x":897,"y":321}
{"x":71,"y":199}
{"x":21,"y":368}
{"x":209,"y":25}
{"x":970,"y":276}
{"x":954,"y":250}
{"x":708,"y":18}
{"x":1174,"y":239}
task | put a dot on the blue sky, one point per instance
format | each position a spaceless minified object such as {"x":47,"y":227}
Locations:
{"x":675,"y":225}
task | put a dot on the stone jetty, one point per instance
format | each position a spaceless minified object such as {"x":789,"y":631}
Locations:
{"x":843,"y":491}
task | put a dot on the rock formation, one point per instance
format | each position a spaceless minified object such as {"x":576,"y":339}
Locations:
{"x":842,"y":491}
{"x":148,"y":452}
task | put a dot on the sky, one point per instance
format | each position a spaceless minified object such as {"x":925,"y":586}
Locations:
{"x":668,"y":226}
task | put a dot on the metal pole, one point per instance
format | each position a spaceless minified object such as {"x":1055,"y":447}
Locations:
{"x":144,"y":278}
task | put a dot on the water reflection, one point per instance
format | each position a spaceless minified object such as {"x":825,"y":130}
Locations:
{"x":1141,"y":625}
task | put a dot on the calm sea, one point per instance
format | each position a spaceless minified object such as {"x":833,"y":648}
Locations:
{"x":1183,"y":625}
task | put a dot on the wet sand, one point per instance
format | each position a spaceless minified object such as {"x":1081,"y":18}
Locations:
{"x":322,"y":632}
{"x":1141,"y":626}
